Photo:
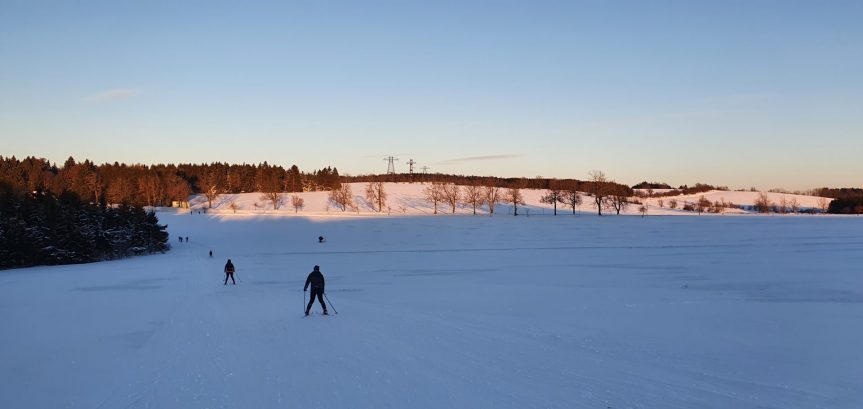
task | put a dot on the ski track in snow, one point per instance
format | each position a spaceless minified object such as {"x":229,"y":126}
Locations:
{"x":482,"y":312}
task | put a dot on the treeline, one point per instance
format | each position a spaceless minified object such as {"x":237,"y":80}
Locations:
{"x":521,"y":183}
{"x":845,"y":200}
{"x":841,"y":193}
{"x":157,"y":185}
{"x":39,"y":228}
{"x":652,"y":185}
{"x":846,"y":206}
{"x":452,"y":191}
{"x":83,"y":212}
{"x":682,"y":190}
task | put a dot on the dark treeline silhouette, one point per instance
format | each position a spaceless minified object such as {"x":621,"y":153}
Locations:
{"x":841,"y":193}
{"x":652,"y":185}
{"x":157,"y":185}
{"x":850,"y":205}
{"x":682,"y":190}
{"x":39,"y":227}
{"x":845,"y":200}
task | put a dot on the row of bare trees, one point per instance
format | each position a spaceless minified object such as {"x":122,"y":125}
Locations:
{"x":604,"y":193}
{"x":763,"y":204}
{"x":474,"y":195}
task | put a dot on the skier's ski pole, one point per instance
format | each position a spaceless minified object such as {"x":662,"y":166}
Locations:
{"x":304,"y":300}
{"x":331,"y":304}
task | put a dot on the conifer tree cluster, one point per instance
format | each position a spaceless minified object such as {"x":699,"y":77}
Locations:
{"x":39,"y":228}
{"x":158,"y":185}
{"x":83,"y":212}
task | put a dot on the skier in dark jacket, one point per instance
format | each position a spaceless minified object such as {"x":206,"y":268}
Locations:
{"x":316,"y":279}
{"x":229,"y":272}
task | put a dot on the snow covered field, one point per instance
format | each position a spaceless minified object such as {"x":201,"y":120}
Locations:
{"x":408,"y":199}
{"x":457,"y":311}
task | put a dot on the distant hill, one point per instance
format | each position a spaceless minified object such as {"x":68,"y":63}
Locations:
{"x":409,"y":199}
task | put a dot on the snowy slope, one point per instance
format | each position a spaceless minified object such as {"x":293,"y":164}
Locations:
{"x":738,"y":198}
{"x":468,"y":312}
{"x":407,"y":199}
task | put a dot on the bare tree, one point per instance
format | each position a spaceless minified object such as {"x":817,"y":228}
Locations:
{"x":275,"y":198}
{"x":492,"y":197}
{"x":571,"y":196}
{"x":376,"y":194}
{"x":823,"y":204}
{"x":120,"y":191}
{"x":179,"y":189}
{"x":598,"y":187}
{"x":347,"y":195}
{"x":451,"y":194}
{"x":783,"y":205}
{"x":672,"y":203}
{"x":702,"y":205}
{"x":210,"y":185}
{"x":433,"y":193}
{"x":762,"y":204}
{"x":473,"y":195}
{"x":95,"y":183}
{"x":618,"y":197}
{"x":660,"y":203}
{"x":342,"y":197}
{"x":513,"y":196}
{"x":148,"y":186}
{"x":270,"y":183}
{"x":234,"y":206}
{"x":794,"y":205}
{"x":297,"y":202}
{"x":554,"y":196}
{"x":643,"y":210}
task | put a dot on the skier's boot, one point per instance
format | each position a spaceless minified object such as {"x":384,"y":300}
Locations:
{"x":325,"y":312}
{"x":307,"y":313}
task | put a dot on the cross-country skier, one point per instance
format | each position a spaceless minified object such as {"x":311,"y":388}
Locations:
{"x":321,"y":239}
{"x":229,"y":272}
{"x":316,"y":279}
{"x":211,"y":253}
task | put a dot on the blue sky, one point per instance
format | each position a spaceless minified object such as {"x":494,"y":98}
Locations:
{"x":738,"y":93}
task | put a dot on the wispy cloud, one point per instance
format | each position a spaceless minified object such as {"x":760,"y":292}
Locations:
{"x":112,"y":95}
{"x":458,"y":161}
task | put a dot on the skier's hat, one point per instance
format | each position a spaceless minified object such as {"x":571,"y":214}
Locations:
{"x":317,"y":268}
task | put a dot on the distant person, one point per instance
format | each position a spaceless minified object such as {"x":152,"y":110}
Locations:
{"x":229,"y":272}
{"x":211,"y":253}
{"x":187,"y":239}
{"x":181,"y":239}
{"x":316,"y":279}
{"x":321,"y":239}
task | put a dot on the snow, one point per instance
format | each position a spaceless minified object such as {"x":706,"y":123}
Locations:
{"x":449,"y":311}
{"x":736,"y":197}
{"x":407,"y":199}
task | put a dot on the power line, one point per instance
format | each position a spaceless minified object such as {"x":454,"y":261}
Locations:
{"x":391,"y":166}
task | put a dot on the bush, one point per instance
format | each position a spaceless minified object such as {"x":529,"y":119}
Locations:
{"x":846,"y":206}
